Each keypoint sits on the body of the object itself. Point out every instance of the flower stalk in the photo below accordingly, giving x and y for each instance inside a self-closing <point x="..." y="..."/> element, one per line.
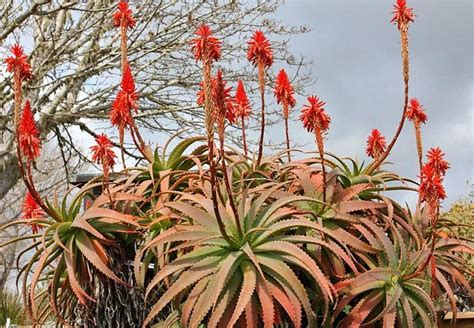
<point x="317" y="121"/>
<point x="402" y="17"/>
<point x="260" y="55"/>
<point x="206" y="48"/>
<point x="285" y="95"/>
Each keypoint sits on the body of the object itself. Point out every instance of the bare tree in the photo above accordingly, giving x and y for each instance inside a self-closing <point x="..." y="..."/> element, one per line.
<point x="74" y="52"/>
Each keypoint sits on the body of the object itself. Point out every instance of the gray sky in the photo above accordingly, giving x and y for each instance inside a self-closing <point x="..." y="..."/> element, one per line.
<point x="357" y="65"/>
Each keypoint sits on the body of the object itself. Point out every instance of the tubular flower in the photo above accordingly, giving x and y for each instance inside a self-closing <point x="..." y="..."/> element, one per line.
<point x="284" y="91"/>
<point x="260" y="51"/>
<point x="416" y="112"/>
<point x="205" y="46"/>
<point x="375" y="144"/>
<point x="313" y="114"/>
<point x="120" y="115"/>
<point x="437" y="162"/>
<point x="241" y="102"/>
<point x="123" y="15"/>
<point x="32" y="211"/>
<point x="402" y="14"/>
<point x="18" y="63"/>
<point x="222" y="99"/>
<point x="102" y="153"/>
<point x="28" y="134"/>
<point x="431" y="186"/>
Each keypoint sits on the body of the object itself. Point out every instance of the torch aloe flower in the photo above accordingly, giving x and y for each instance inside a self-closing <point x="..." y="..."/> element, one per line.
<point x="431" y="187"/>
<point x="206" y="46"/>
<point x="260" y="51"/>
<point x="285" y="95"/>
<point x="375" y="144"/>
<point x="417" y="115"/>
<point x="103" y="154"/>
<point x="317" y="121"/>
<point x="260" y="55"/>
<point x="32" y="211"/>
<point x="126" y="100"/>
<point x="402" y="15"/>
<point x="437" y="162"/>
<point x="28" y="134"/>
<point x="21" y="69"/>
<point x="242" y="109"/>
<point x="17" y="63"/>
<point x="123" y="18"/>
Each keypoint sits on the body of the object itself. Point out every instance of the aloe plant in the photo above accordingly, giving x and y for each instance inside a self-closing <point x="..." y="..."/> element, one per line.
<point x="219" y="237"/>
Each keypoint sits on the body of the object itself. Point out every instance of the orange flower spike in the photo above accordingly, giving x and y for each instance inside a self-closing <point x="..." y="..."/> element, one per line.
<point x="126" y="100"/>
<point x="313" y="114"/>
<point x="28" y="134"/>
<point x="242" y="110"/>
<point x="437" y="162"/>
<point x="102" y="153"/>
<point x="18" y="63"/>
<point x="402" y="14"/>
<point x="206" y="46"/>
<point x="123" y="15"/>
<point x="260" y="51"/>
<point x="375" y="144"/>
<point x="284" y="92"/>
<point x="32" y="211"/>
<point x="415" y="111"/>
<point x="242" y="103"/>
<point x="223" y="101"/>
<point x="316" y="120"/>
<point x="431" y="187"/>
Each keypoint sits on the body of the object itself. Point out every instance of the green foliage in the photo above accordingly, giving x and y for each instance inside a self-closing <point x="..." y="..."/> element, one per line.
<point x="12" y="308"/>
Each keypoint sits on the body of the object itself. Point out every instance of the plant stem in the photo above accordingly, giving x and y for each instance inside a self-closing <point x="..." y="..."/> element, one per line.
<point x="209" y="117"/>
<point x="261" y="80"/>
<point x="244" y="140"/>
<point x="406" y="76"/>
<point x="230" y="193"/>
<point x="287" y="133"/>
<point x="320" y="143"/>
<point x="419" y="149"/>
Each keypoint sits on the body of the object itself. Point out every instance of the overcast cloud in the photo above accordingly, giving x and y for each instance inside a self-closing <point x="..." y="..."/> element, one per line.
<point x="358" y="70"/>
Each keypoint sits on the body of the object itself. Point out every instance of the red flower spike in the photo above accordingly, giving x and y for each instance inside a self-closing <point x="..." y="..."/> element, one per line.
<point x="313" y="114"/>
<point x="415" y="111"/>
<point x="402" y="14"/>
<point x="28" y="134"/>
<point x="205" y="46"/>
<point x="32" y="211"/>
<point x="223" y="101"/>
<point x="437" y="162"/>
<point x="18" y="62"/>
<point x="126" y="99"/>
<point x="102" y="153"/>
<point x="431" y="186"/>
<point x="123" y="15"/>
<point x="128" y="87"/>
<point x="242" y="105"/>
<point x="375" y="144"/>
<point x="221" y="98"/>
<point x="283" y="90"/>
<point x="260" y="51"/>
